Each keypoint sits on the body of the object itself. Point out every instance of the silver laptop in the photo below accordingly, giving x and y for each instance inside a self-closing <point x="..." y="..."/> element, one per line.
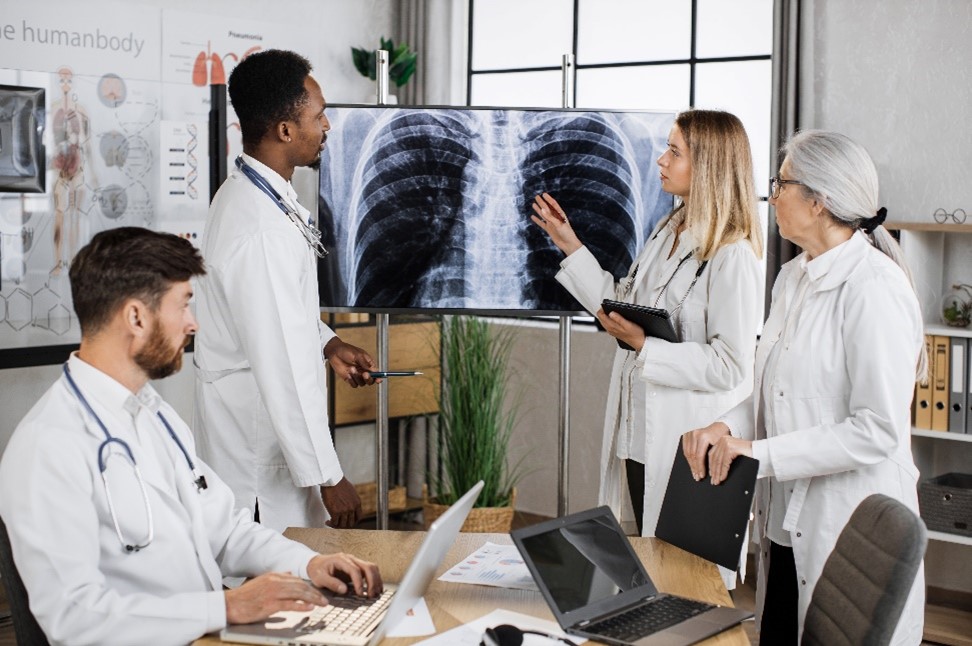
<point x="597" y="588"/>
<point x="356" y="621"/>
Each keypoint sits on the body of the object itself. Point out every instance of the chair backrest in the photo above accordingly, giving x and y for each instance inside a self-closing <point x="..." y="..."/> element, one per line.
<point x="867" y="577"/>
<point x="26" y="629"/>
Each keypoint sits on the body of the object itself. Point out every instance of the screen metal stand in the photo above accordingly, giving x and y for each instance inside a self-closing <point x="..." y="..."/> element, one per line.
<point x="217" y="137"/>
<point x="563" y="444"/>
<point x="381" y="421"/>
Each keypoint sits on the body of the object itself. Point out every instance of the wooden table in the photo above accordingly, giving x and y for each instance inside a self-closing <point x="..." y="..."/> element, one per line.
<point x="452" y="604"/>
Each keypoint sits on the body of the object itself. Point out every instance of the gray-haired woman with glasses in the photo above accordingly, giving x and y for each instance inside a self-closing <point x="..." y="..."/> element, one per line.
<point x="836" y="365"/>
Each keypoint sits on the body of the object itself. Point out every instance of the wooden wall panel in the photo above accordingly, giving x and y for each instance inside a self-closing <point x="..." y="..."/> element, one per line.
<point x="411" y="346"/>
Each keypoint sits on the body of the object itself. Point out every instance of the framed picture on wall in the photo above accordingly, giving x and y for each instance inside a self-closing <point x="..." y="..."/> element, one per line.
<point x="100" y="133"/>
<point x="22" y="153"/>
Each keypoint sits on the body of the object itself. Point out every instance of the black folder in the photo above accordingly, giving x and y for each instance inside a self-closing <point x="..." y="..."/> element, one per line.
<point x="706" y="520"/>
<point x="654" y="321"/>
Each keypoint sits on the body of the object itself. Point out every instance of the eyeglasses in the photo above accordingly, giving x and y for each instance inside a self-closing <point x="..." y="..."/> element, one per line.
<point x="941" y="216"/>
<point x="776" y="185"/>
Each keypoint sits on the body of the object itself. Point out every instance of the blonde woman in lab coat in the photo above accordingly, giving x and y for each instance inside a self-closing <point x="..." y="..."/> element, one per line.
<point x="835" y="372"/>
<point x="702" y="265"/>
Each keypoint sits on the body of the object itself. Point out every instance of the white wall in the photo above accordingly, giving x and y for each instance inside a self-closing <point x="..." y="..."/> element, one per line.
<point x="895" y="76"/>
<point x="337" y="25"/>
<point x="534" y="378"/>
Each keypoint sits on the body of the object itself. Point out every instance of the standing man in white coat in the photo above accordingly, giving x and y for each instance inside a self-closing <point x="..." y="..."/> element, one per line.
<point x="261" y="404"/>
<point x="121" y="534"/>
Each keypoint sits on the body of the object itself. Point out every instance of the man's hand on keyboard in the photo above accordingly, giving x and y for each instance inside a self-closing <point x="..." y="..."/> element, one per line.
<point x="266" y="594"/>
<point x="335" y="571"/>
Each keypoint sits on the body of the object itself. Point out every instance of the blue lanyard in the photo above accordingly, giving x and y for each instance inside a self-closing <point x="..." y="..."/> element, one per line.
<point x="200" y="480"/>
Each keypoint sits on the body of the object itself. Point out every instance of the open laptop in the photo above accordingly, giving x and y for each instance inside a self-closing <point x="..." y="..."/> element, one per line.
<point x="356" y="621"/>
<point x="597" y="587"/>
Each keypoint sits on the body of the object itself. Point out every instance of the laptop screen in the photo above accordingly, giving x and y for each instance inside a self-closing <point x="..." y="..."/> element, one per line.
<point x="584" y="562"/>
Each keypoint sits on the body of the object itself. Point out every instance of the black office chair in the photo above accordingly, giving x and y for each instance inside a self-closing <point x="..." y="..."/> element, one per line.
<point x="867" y="577"/>
<point x="26" y="629"/>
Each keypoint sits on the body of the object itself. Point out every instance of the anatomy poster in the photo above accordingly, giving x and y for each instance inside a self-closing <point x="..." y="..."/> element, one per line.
<point x="199" y="50"/>
<point x="428" y="208"/>
<point x="125" y="128"/>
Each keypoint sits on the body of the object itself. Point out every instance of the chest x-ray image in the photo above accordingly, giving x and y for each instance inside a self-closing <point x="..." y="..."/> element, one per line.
<point x="428" y="208"/>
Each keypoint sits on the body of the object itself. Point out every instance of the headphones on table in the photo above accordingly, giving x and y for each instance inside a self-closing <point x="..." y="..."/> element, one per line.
<point x="509" y="635"/>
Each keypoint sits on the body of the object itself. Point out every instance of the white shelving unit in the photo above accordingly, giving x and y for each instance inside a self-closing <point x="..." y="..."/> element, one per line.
<point x="941" y="435"/>
<point x="939" y="255"/>
<point x="949" y="538"/>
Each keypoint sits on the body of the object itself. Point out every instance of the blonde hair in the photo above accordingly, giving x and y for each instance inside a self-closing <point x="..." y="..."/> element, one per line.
<point x="721" y="207"/>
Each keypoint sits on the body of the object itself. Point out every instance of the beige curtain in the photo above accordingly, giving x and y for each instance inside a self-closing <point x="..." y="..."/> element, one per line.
<point x="438" y="31"/>
<point x="787" y="117"/>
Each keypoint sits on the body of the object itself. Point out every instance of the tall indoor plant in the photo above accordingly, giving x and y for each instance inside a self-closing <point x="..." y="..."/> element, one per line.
<point x="475" y="420"/>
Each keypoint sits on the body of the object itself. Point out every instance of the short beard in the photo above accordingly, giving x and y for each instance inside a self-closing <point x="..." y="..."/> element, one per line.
<point x="316" y="164"/>
<point x="157" y="359"/>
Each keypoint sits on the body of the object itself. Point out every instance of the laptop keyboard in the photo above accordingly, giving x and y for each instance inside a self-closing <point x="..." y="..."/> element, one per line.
<point x="349" y="615"/>
<point x="648" y="618"/>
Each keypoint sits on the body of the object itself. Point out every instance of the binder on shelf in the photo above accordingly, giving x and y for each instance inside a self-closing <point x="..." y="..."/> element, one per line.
<point x="923" y="399"/>
<point x="940" y="384"/>
<point x="968" y="388"/>
<point x="958" y="406"/>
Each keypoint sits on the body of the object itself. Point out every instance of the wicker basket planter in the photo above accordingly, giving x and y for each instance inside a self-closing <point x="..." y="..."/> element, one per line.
<point x="946" y="503"/>
<point x="483" y="520"/>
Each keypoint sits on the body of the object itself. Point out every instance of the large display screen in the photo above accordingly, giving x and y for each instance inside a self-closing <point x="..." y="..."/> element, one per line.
<point x="428" y="208"/>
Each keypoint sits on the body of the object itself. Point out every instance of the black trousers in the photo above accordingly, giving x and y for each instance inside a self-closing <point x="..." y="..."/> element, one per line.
<point x="636" y="489"/>
<point x="779" y="623"/>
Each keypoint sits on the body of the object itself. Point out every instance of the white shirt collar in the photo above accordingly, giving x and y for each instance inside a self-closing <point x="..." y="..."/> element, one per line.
<point x="274" y="178"/>
<point x="97" y="386"/>
<point x="820" y="266"/>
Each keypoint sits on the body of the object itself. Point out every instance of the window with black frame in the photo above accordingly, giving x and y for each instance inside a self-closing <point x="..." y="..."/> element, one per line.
<point x="630" y="54"/>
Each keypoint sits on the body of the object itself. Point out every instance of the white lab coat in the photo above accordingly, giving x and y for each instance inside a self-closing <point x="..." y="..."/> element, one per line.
<point x="261" y="387"/>
<point x="683" y="385"/>
<point x="83" y="587"/>
<point x="842" y="392"/>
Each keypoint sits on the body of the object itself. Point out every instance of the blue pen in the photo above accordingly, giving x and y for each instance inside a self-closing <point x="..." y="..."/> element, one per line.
<point x="377" y="374"/>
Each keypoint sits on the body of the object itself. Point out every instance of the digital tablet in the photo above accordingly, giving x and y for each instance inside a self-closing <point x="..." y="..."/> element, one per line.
<point x="654" y="321"/>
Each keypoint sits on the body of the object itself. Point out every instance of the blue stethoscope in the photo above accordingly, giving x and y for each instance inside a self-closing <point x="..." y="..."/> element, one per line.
<point x="312" y="235"/>
<point x="105" y="447"/>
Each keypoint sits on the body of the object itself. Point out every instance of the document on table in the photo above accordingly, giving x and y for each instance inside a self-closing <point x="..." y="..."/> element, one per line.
<point x="472" y="633"/>
<point x="497" y="565"/>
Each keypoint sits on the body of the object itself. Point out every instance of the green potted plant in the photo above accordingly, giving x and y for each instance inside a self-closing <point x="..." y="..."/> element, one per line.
<point x="475" y="424"/>
<point x="957" y="306"/>
<point x="401" y="61"/>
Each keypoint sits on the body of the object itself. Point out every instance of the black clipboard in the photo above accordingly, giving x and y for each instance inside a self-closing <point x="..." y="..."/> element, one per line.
<point x="654" y="321"/>
<point x="706" y="520"/>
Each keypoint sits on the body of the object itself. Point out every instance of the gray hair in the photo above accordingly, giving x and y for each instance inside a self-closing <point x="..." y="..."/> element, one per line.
<point x="839" y="172"/>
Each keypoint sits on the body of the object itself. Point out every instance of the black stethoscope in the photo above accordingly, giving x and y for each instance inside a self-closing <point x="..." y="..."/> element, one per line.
<point x="682" y="261"/>
<point x="311" y="234"/>
<point x="106" y="445"/>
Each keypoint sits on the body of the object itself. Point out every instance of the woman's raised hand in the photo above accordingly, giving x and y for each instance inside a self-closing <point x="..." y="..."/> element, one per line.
<point x="552" y="219"/>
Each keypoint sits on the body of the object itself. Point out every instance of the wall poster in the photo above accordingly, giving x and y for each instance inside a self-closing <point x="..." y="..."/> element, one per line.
<point x="125" y="133"/>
